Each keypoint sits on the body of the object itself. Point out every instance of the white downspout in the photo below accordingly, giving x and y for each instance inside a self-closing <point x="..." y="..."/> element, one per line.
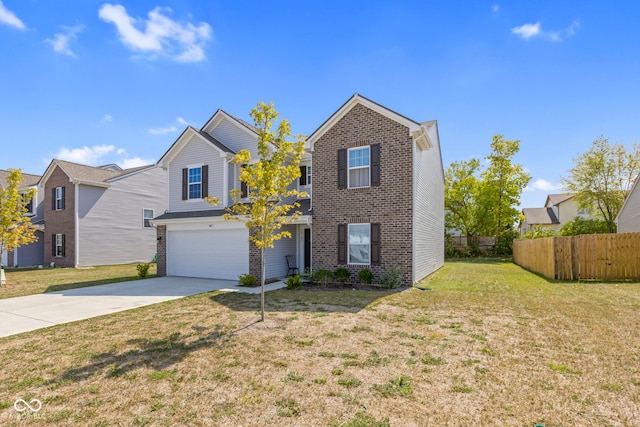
<point x="76" y="225"/>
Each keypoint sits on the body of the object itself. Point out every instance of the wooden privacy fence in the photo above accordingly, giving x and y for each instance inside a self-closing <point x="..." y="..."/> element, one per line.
<point x="586" y="257"/>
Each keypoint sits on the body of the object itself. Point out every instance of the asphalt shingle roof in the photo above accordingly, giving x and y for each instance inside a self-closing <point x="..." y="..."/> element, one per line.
<point x="28" y="179"/>
<point x="540" y="216"/>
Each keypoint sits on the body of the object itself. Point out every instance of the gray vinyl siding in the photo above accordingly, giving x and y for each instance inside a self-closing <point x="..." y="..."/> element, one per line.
<point x="276" y="265"/>
<point x="110" y="222"/>
<point x="236" y="137"/>
<point x="31" y="254"/>
<point x="629" y="216"/>
<point x="196" y="152"/>
<point x="428" y="226"/>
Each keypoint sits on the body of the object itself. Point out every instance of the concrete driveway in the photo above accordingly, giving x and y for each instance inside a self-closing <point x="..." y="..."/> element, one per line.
<point x="32" y="312"/>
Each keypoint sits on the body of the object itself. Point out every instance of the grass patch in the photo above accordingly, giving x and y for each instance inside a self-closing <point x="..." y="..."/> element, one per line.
<point x="428" y="359"/>
<point x="400" y="386"/>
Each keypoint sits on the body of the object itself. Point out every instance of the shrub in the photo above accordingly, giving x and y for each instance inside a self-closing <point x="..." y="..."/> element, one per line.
<point x="391" y="277"/>
<point x="293" y="282"/>
<point x="538" y="232"/>
<point x="366" y="276"/>
<point x="341" y="274"/>
<point x="579" y="226"/>
<point x="143" y="269"/>
<point x="322" y="276"/>
<point x="450" y="250"/>
<point x="504" y="242"/>
<point x="247" y="280"/>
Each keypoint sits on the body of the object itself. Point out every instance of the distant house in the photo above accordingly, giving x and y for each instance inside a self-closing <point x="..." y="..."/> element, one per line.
<point x="33" y="253"/>
<point x="100" y="215"/>
<point x="376" y="187"/>
<point x="628" y="219"/>
<point x="558" y="210"/>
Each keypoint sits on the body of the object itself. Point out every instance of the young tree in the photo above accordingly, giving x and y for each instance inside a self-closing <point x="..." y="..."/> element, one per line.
<point x="501" y="187"/>
<point x="269" y="182"/>
<point x="601" y="178"/>
<point x="15" y="226"/>
<point x="461" y="191"/>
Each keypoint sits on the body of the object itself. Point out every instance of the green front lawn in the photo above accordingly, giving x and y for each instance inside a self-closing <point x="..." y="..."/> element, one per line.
<point x="490" y="344"/>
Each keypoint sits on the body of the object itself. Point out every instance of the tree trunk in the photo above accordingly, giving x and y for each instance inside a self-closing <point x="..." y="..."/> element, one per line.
<point x="262" y="281"/>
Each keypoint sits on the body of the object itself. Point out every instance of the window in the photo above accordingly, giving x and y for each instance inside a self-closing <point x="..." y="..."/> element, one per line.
<point x="58" y="245"/>
<point x="305" y="175"/>
<point x="147" y="216"/>
<point x="195" y="182"/>
<point x="29" y="205"/>
<point x="359" y="243"/>
<point x="358" y="167"/>
<point x="57" y="198"/>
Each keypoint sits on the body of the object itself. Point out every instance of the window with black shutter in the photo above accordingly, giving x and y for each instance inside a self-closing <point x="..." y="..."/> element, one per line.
<point x="342" y="168"/>
<point x="342" y="243"/>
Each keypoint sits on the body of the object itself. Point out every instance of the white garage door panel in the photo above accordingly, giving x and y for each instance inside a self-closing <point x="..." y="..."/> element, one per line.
<point x="220" y="254"/>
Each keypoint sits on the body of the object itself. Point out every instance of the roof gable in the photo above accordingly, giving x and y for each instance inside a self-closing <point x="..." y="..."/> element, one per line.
<point x="184" y="138"/>
<point x="419" y="131"/>
<point x="624" y="204"/>
<point x="556" y="199"/>
<point x="535" y="216"/>
<point x="221" y="115"/>
<point x="89" y="175"/>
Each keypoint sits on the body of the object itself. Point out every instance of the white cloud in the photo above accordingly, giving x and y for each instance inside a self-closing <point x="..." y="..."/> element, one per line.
<point x="9" y="18"/>
<point x="162" y="131"/>
<point x="182" y="42"/>
<point x="101" y="155"/>
<point x="541" y="185"/>
<point x="182" y="121"/>
<point x="527" y="31"/>
<point x="85" y="155"/>
<point x="61" y="41"/>
<point x="495" y="8"/>
<point x="107" y="118"/>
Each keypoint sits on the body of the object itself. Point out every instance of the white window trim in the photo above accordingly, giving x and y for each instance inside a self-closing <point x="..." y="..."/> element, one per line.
<point x="59" y="198"/>
<point x="361" y="244"/>
<point x="60" y="247"/>
<point x="144" y="218"/>
<point x="349" y="168"/>
<point x="189" y="168"/>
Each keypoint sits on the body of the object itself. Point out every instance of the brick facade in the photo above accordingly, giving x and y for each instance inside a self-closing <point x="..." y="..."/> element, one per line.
<point x="389" y="204"/>
<point x="161" y="236"/>
<point x="60" y="221"/>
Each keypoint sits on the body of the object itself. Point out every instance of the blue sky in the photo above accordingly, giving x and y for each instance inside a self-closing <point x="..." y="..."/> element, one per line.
<point x="98" y="82"/>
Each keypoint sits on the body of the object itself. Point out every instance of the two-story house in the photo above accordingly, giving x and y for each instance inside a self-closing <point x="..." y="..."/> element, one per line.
<point x="100" y="215"/>
<point x="376" y="187"/>
<point x="32" y="253"/>
<point x="628" y="219"/>
<point x="558" y="210"/>
<point x="193" y="238"/>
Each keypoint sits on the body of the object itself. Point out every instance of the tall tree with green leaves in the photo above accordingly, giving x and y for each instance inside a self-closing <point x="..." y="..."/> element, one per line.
<point x="502" y="183"/>
<point x="15" y="226"/>
<point x="601" y="178"/>
<point x="269" y="180"/>
<point x="461" y="191"/>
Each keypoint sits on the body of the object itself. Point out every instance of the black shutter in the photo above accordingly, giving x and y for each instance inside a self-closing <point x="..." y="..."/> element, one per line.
<point x="63" y="246"/>
<point x="303" y="175"/>
<point x="53" y="245"/>
<point x="342" y="168"/>
<point x="185" y="184"/>
<point x="243" y="187"/>
<point x="62" y="201"/>
<point x="342" y="243"/>
<point x="375" y="165"/>
<point x="375" y="244"/>
<point x="205" y="181"/>
<point x="53" y="199"/>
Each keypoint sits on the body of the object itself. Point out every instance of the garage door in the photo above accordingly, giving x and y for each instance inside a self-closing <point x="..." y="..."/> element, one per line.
<point x="219" y="254"/>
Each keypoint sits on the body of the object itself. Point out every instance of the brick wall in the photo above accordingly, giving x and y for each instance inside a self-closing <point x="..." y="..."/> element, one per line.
<point x="59" y="222"/>
<point x="389" y="204"/>
<point x="161" y="236"/>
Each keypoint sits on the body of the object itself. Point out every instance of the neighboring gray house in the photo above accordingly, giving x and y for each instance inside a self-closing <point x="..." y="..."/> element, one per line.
<point x="193" y="238"/>
<point x="628" y="219"/>
<point x="101" y="215"/>
<point x="32" y="253"/>
<point x="377" y="186"/>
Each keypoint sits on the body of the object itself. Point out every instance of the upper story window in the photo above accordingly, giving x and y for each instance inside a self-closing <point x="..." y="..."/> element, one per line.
<point x="305" y="175"/>
<point x="29" y="206"/>
<point x="57" y="198"/>
<point x="195" y="182"/>
<point x="147" y="216"/>
<point x="359" y="167"/>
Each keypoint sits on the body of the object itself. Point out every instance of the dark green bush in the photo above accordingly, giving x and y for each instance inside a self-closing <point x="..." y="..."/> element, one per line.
<point x="293" y="282"/>
<point x="365" y="276"/>
<point x="247" y="280"/>
<point x="341" y="274"/>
